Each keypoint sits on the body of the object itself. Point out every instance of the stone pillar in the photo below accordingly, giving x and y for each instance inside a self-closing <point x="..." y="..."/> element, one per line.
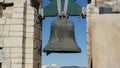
<point x="104" y="40"/>
<point x="91" y="9"/>
<point x="32" y="38"/>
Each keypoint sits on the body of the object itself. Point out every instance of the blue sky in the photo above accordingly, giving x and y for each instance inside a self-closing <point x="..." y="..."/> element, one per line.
<point x="78" y="59"/>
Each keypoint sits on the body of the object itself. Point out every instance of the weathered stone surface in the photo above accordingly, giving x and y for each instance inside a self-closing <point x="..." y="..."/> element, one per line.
<point x="2" y="21"/>
<point x="29" y="34"/>
<point x="1" y="0"/>
<point x="16" y="61"/>
<point x="29" y="56"/>
<point x="30" y="12"/>
<point x="20" y="5"/>
<point x="6" y="53"/>
<point x="6" y="27"/>
<point x="29" y="42"/>
<point x="29" y="65"/>
<point x="6" y="33"/>
<point x="30" y="17"/>
<point x="16" y="28"/>
<point x="14" y="65"/>
<point x="18" y="9"/>
<point x="29" y="28"/>
<point x="30" y="61"/>
<point x="17" y="34"/>
<point x="29" y="50"/>
<point x="16" y="50"/>
<point x="17" y="15"/>
<point x="14" y="21"/>
<point x="30" y="22"/>
<point x="17" y="31"/>
<point x="15" y="1"/>
<point x="105" y="40"/>
<point x="6" y="64"/>
<point x="116" y="7"/>
<point x="1" y="35"/>
<point x="13" y="41"/>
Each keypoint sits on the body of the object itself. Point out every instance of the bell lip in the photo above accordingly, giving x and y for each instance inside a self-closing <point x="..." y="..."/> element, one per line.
<point x="63" y="51"/>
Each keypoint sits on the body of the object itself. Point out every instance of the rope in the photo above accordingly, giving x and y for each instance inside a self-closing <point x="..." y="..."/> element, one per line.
<point x="59" y="7"/>
<point x="65" y="7"/>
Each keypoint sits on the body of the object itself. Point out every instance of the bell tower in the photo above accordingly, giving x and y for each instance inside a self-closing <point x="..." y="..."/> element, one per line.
<point x="20" y="35"/>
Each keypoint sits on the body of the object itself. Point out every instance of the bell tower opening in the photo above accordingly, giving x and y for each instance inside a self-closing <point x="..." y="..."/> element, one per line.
<point x="65" y="59"/>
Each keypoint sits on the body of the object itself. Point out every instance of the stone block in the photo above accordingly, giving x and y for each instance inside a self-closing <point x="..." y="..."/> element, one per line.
<point x="30" y="22"/>
<point x="18" y="15"/>
<point x="16" y="50"/>
<point x="13" y="41"/>
<point x="1" y="44"/>
<point x="15" y="1"/>
<point x="16" y="55"/>
<point x="8" y="12"/>
<point x="14" y="21"/>
<point x="30" y="17"/>
<point x="29" y="61"/>
<point x="18" y="9"/>
<point x="20" y="5"/>
<point x="16" y="28"/>
<point x="16" y="61"/>
<point x="6" y="52"/>
<point x="29" y="56"/>
<point x="30" y="11"/>
<point x="5" y="33"/>
<point x="2" y="21"/>
<point x="6" y="27"/>
<point x="29" y="42"/>
<point x="29" y="65"/>
<point x="14" y="65"/>
<point x="28" y="50"/>
<point x="29" y="28"/>
<point x="18" y="34"/>
<point x="6" y="64"/>
<point x="29" y="34"/>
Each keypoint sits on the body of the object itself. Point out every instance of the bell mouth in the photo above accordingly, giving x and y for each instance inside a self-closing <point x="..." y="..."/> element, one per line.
<point x="49" y="52"/>
<point x="63" y="51"/>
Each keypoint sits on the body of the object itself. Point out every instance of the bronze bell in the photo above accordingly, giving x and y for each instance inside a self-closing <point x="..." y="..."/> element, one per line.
<point x="62" y="39"/>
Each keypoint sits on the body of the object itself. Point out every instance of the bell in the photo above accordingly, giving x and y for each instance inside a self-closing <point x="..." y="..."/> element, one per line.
<point x="62" y="39"/>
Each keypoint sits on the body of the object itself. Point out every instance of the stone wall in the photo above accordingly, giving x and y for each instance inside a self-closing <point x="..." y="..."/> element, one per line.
<point x="20" y="36"/>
